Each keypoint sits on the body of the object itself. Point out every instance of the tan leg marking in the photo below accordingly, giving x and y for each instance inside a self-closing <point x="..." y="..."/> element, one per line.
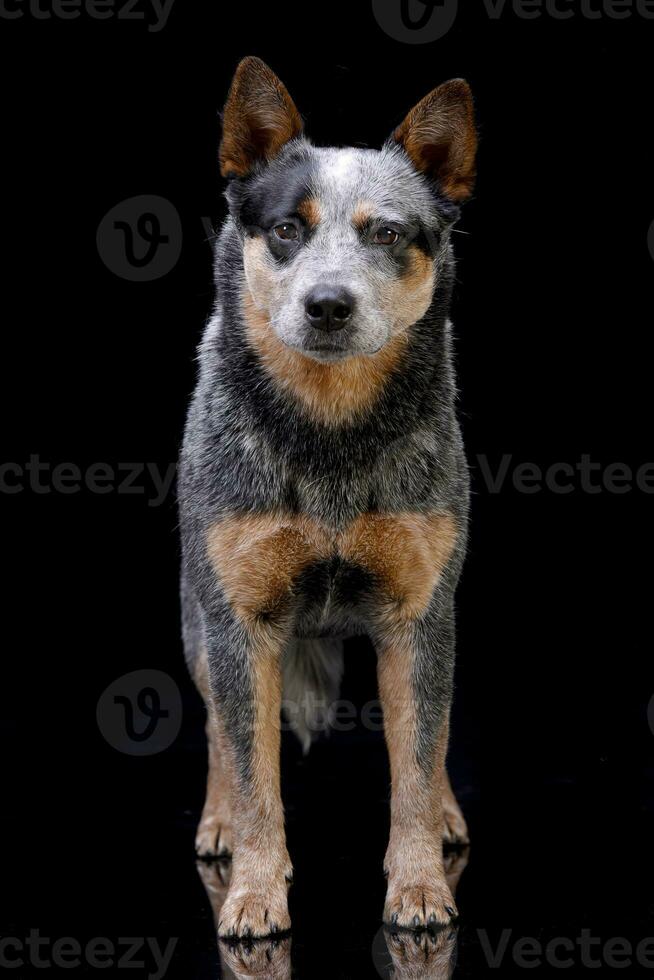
<point x="257" y="904"/>
<point x="409" y="556"/>
<point x="257" y="559"/>
<point x="332" y="393"/>
<point x="418" y="894"/>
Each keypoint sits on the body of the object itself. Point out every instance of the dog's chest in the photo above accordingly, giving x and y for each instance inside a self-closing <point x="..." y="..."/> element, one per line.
<point x="269" y="563"/>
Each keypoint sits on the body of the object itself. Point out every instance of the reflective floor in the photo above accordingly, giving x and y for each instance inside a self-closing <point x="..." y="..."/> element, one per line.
<point x="397" y="954"/>
<point x="558" y="875"/>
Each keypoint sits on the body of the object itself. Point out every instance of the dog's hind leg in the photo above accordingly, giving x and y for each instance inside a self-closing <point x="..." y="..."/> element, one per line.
<point x="455" y="828"/>
<point x="214" y="835"/>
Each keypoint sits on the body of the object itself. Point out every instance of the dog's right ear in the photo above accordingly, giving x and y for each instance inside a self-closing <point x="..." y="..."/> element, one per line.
<point x="259" y="118"/>
<point x="440" y="137"/>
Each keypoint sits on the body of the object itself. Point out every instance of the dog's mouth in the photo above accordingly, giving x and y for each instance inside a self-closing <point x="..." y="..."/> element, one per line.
<point x="327" y="352"/>
<point x="327" y="347"/>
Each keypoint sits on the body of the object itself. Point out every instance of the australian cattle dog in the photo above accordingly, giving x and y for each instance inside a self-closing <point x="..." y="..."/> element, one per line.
<point x="323" y="484"/>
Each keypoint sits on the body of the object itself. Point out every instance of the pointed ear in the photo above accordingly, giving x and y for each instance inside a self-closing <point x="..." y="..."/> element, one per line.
<point x="259" y="118"/>
<point x="440" y="137"/>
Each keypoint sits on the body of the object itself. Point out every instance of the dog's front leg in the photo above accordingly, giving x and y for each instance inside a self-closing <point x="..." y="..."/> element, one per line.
<point x="257" y="560"/>
<point x="415" y="680"/>
<point x="245" y="673"/>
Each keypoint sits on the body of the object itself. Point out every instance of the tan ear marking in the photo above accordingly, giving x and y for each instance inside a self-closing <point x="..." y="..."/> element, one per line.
<point x="259" y="118"/>
<point x="440" y="137"/>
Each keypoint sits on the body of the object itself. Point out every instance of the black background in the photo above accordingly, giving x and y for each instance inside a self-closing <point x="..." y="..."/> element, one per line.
<point x="552" y="752"/>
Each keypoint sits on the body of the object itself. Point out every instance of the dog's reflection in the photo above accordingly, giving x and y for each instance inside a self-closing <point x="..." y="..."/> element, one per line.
<point x="400" y="955"/>
<point x="264" y="959"/>
<point x="420" y="955"/>
<point x="426" y="954"/>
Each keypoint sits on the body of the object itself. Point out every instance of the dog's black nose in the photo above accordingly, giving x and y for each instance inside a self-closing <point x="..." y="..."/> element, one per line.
<point x="329" y="308"/>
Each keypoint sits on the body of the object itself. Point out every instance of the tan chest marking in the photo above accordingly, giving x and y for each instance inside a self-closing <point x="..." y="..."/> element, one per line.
<point x="258" y="558"/>
<point x="406" y="553"/>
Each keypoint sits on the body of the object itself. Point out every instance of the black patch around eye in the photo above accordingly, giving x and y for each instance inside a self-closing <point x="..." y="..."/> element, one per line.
<point x="275" y="193"/>
<point x="283" y="249"/>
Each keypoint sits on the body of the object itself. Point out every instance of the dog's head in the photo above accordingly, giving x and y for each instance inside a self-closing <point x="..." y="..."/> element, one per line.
<point x="342" y="247"/>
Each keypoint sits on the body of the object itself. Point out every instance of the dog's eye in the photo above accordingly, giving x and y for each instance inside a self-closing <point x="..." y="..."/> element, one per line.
<point x="386" y="236"/>
<point x="287" y="232"/>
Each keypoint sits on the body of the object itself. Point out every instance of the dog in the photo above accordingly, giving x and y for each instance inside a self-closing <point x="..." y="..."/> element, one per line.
<point x="323" y="486"/>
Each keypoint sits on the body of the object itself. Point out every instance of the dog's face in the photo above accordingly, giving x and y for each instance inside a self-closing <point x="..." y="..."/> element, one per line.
<point x="342" y="246"/>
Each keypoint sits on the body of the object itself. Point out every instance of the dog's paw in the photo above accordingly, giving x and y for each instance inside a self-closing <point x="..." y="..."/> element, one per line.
<point x="214" y="838"/>
<point x="428" y="905"/>
<point x="249" y="914"/>
<point x="268" y="959"/>
<point x="455" y="828"/>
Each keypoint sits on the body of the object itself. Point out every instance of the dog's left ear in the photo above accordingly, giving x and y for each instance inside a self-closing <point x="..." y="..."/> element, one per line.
<point x="259" y="118"/>
<point x="440" y="137"/>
